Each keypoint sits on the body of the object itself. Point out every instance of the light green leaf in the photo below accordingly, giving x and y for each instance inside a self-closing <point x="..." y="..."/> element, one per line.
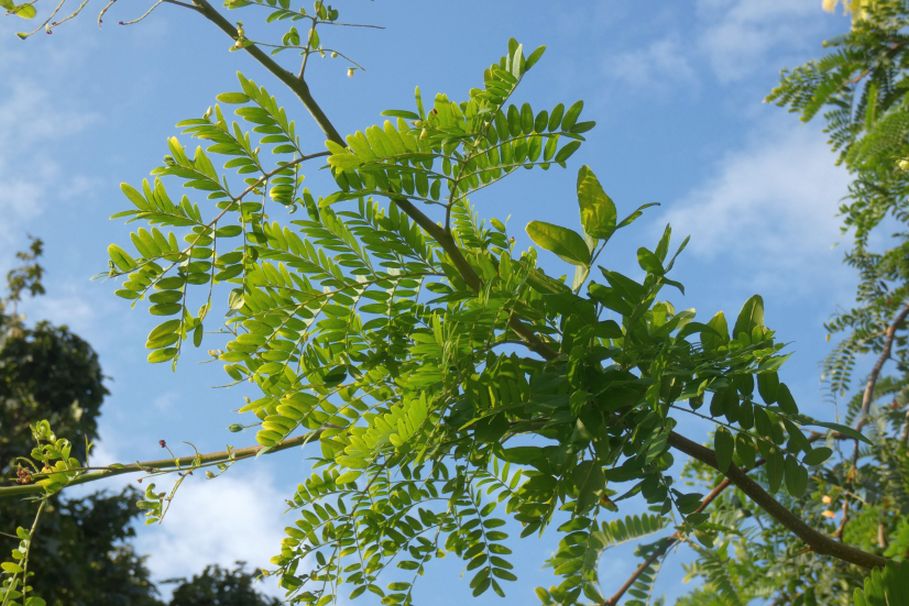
<point x="26" y="11"/>
<point x="598" y="213"/>
<point x="232" y="98"/>
<point x="566" y="243"/>
<point x="718" y="333"/>
<point x="751" y="315"/>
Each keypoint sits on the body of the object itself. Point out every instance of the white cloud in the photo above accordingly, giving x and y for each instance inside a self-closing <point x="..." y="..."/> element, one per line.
<point x="737" y="35"/>
<point x="37" y="114"/>
<point x="237" y="516"/>
<point x="659" y="65"/>
<point x="769" y="210"/>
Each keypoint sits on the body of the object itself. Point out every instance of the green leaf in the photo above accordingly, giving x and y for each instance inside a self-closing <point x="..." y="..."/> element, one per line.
<point x="571" y="115"/>
<point x="232" y="98"/>
<point x="598" y="213"/>
<point x="26" y="11"/>
<point x="886" y="586"/>
<point x="649" y="262"/>
<point x="120" y="258"/>
<point x="717" y="333"/>
<point x="633" y="216"/>
<point x="769" y="387"/>
<point x="401" y="113"/>
<point x="162" y="355"/>
<point x="843" y="429"/>
<point x="347" y="477"/>
<point x="563" y="154"/>
<point x="817" y="455"/>
<point x="566" y="243"/>
<point x="724" y="444"/>
<point x="785" y="400"/>
<point x="774" y="467"/>
<point x="589" y="481"/>
<point x="751" y="316"/>
<point x="796" y="477"/>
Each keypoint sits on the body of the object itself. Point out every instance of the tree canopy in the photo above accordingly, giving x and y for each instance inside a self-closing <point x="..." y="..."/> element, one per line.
<point x="454" y="393"/>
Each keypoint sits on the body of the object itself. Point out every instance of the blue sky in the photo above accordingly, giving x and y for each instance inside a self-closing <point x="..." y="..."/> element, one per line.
<point x="676" y="89"/>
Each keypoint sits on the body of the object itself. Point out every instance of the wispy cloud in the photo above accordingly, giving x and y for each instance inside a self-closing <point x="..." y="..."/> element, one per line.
<point x="729" y="40"/>
<point x="659" y="66"/>
<point x="736" y="36"/>
<point x="36" y="116"/>
<point x="769" y="207"/>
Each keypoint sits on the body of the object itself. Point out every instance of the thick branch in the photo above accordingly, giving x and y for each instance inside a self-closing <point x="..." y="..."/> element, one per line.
<point x="165" y="465"/>
<point x="817" y="541"/>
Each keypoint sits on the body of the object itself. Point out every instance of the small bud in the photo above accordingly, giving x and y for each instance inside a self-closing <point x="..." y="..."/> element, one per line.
<point x="334" y="54"/>
<point x="162" y="443"/>
<point x="828" y="514"/>
<point x="350" y="72"/>
<point x="826" y="500"/>
<point x="235" y="427"/>
<point x="903" y="165"/>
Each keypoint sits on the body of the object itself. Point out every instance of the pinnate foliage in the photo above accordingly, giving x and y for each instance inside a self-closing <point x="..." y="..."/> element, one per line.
<point x="357" y="322"/>
<point x="451" y="384"/>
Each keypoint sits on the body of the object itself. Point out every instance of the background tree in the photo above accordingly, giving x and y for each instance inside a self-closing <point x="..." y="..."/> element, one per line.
<point x="859" y="89"/>
<point x="84" y="552"/>
<point x="450" y="382"/>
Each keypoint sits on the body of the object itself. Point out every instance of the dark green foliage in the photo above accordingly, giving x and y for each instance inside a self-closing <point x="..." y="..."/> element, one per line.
<point x="83" y="553"/>
<point x="217" y="586"/>
<point x="885" y="587"/>
<point x="47" y="372"/>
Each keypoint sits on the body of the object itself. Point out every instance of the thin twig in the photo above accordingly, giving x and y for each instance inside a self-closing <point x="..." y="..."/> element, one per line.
<point x="864" y="414"/>
<point x="889" y="336"/>
<point x="142" y="17"/>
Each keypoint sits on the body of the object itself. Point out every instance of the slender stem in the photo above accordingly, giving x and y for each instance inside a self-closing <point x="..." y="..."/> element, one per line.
<point x="867" y="398"/>
<point x="165" y="465"/>
<point x="297" y="85"/>
<point x="889" y="336"/>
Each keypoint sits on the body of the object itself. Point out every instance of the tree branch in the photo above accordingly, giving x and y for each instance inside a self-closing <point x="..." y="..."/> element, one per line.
<point x="817" y="541"/>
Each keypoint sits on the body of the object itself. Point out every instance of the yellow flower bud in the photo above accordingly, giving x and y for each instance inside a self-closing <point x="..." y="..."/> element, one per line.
<point x="826" y="500"/>
<point x="903" y="165"/>
<point x="828" y="514"/>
